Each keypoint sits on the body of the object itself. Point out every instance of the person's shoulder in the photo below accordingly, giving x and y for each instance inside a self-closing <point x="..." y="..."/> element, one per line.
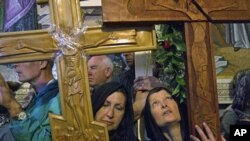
<point x="228" y="111"/>
<point x="229" y="116"/>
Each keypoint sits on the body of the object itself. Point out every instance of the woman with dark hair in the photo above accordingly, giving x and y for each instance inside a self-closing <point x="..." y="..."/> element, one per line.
<point x="164" y="116"/>
<point x="112" y="105"/>
<point x="239" y="111"/>
<point x="166" y="119"/>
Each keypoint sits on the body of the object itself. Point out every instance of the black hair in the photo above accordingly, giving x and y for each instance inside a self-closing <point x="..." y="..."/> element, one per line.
<point x="241" y="89"/>
<point x="125" y="130"/>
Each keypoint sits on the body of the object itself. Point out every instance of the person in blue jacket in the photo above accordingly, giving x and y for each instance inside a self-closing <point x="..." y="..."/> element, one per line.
<point x="31" y="123"/>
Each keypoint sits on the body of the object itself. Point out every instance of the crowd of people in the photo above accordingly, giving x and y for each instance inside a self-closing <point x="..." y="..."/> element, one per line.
<point x="117" y="101"/>
<point x="114" y="103"/>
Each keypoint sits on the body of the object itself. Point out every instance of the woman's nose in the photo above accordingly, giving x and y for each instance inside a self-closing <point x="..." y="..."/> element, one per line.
<point x="110" y="113"/>
<point x="163" y="105"/>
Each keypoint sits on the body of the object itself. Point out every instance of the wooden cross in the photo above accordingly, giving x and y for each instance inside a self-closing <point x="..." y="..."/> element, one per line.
<point x="76" y="122"/>
<point x="197" y="16"/>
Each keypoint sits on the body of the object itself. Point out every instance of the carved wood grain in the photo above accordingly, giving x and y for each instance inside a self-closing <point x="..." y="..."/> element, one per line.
<point x="174" y="10"/>
<point x="76" y="122"/>
<point x="26" y="46"/>
<point x="203" y="102"/>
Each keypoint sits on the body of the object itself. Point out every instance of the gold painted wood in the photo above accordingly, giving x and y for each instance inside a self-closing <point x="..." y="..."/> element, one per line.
<point x="197" y="16"/>
<point x="14" y="46"/>
<point x="76" y="122"/>
<point x="66" y="14"/>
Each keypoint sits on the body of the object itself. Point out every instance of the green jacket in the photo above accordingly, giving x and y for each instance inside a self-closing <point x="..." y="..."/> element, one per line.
<point x="36" y="127"/>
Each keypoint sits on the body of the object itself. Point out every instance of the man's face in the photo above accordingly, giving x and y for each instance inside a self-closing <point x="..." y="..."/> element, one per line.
<point x="129" y="58"/>
<point x="97" y="72"/>
<point x="28" y="71"/>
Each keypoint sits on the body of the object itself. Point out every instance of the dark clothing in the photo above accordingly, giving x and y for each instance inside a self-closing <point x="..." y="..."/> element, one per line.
<point x="124" y="131"/>
<point x="4" y="116"/>
<point x="5" y="133"/>
<point x="232" y="117"/>
<point x="127" y="78"/>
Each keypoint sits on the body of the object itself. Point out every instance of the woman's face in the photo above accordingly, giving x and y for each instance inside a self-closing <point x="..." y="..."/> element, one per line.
<point x="112" y="111"/>
<point x="164" y="109"/>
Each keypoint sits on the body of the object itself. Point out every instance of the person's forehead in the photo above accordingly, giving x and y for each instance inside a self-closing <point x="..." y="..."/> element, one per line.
<point x="29" y="63"/>
<point x="116" y="96"/>
<point x="157" y="94"/>
<point x="95" y="60"/>
<point x="92" y="65"/>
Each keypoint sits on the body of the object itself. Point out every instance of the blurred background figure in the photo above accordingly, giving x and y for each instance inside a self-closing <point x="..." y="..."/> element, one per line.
<point x="239" y="111"/>
<point x="127" y="76"/>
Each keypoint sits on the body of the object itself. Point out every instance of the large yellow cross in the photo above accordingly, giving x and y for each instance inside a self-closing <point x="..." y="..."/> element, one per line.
<point x="76" y="122"/>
